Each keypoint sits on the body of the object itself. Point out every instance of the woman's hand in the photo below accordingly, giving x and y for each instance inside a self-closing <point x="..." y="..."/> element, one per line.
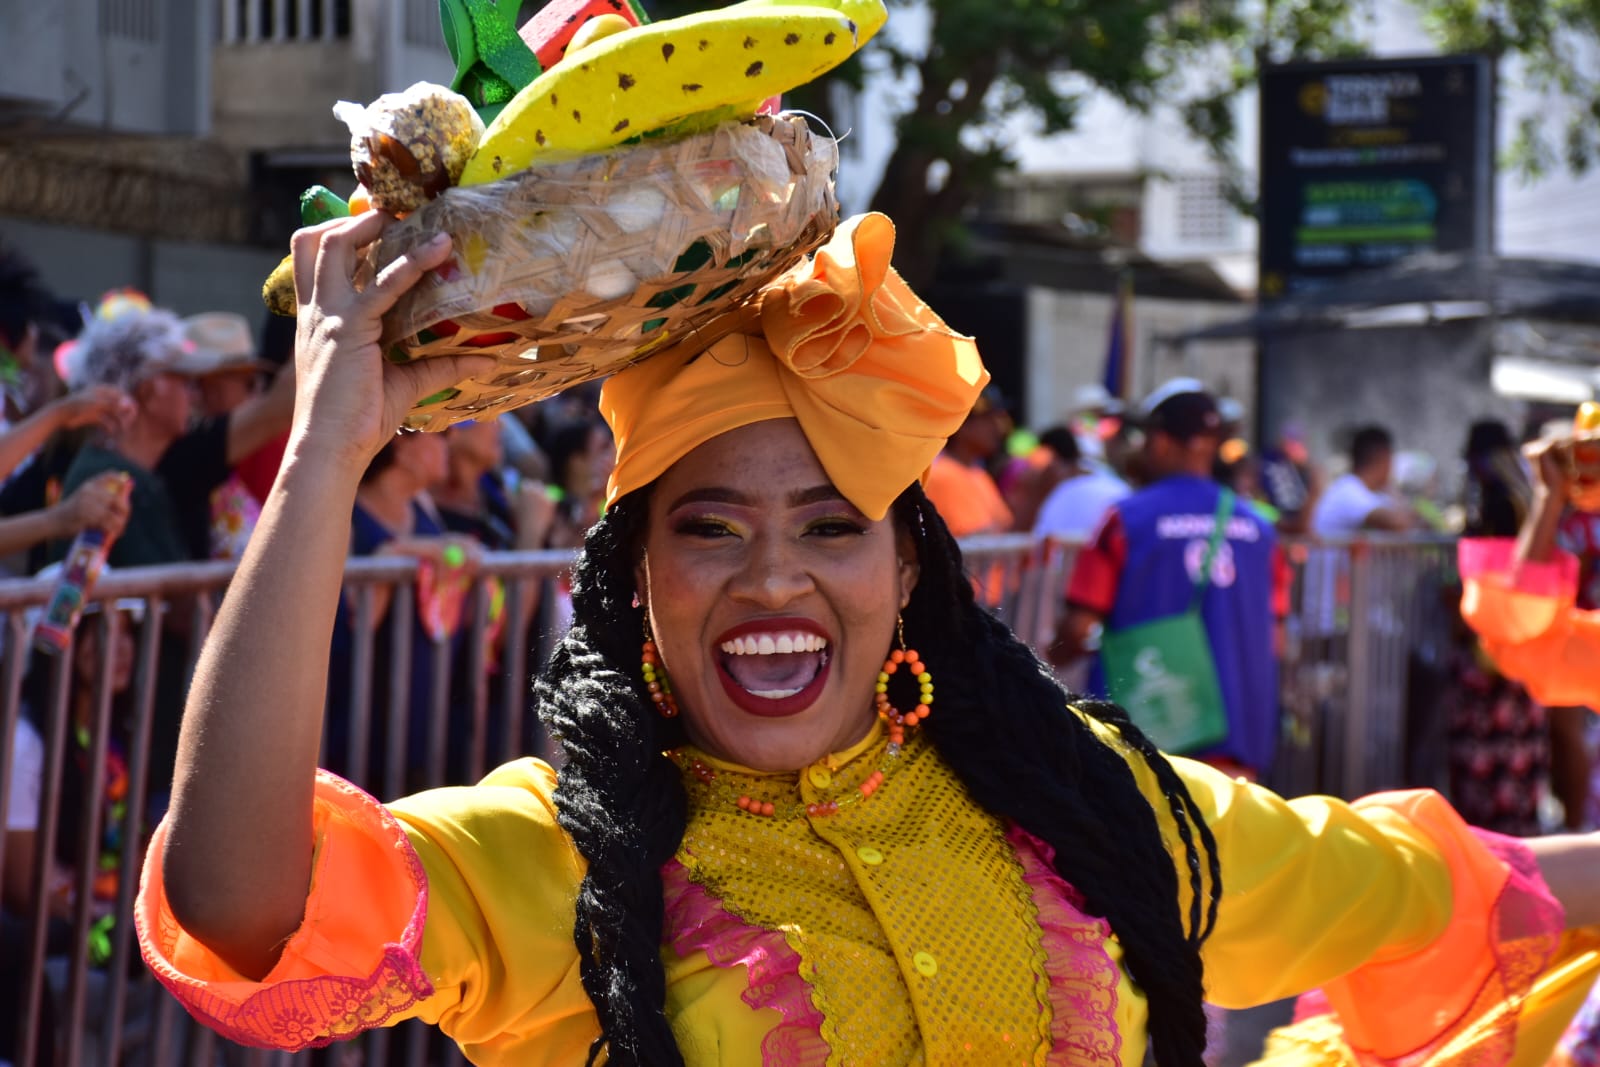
<point x="452" y="550"/>
<point x="1554" y="479"/>
<point x="349" y="399"/>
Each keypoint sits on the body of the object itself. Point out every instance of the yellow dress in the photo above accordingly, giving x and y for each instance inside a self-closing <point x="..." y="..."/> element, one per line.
<point x="908" y="928"/>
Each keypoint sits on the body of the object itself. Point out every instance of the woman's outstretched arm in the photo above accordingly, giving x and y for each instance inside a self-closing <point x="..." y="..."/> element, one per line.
<point x="237" y="862"/>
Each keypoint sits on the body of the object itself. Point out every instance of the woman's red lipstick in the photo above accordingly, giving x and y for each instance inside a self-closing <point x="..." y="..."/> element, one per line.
<point x="774" y="707"/>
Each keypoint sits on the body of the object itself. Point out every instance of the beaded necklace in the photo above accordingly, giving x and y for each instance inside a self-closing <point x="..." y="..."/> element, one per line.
<point x="707" y="775"/>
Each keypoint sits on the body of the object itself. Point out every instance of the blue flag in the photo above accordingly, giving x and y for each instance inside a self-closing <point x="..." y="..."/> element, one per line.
<point x="1119" y="341"/>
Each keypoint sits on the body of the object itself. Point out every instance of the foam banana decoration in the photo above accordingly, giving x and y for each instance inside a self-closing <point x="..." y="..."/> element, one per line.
<point x="649" y="77"/>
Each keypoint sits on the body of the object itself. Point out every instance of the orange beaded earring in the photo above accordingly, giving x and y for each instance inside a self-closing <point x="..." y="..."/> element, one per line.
<point x="908" y="658"/>
<point x="655" y="678"/>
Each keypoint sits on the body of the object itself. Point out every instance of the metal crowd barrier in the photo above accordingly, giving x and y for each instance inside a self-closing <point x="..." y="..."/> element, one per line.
<point x="1366" y="614"/>
<point x="1365" y="660"/>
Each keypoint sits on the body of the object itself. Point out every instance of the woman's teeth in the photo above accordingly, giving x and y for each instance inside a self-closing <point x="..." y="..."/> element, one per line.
<point x="775" y="665"/>
<point x="774" y="644"/>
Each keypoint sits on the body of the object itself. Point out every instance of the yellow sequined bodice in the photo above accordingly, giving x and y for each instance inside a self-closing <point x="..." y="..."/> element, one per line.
<point x="916" y="931"/>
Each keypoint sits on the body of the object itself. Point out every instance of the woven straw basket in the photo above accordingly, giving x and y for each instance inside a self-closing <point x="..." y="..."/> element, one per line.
<point x="568" y="272"/>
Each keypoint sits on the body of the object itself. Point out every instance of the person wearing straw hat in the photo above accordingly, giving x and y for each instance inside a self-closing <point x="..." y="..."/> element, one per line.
<point x="233" y="376"/>
<point x="816" y="804"/>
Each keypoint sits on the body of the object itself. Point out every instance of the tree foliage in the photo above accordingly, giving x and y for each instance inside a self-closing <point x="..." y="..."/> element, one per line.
<point x="988" y="63"/>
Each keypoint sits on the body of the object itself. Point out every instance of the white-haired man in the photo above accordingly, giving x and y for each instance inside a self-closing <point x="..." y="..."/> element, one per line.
<point x="174" y="468"/>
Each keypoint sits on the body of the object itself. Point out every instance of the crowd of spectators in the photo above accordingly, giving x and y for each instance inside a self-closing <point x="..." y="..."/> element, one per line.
<point x="167" y="433"/>
<point x="1137" y="488"/>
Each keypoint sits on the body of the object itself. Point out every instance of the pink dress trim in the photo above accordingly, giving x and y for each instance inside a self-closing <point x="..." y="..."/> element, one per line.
<point x="1083" y="976"/>
<point x="294" y="1013"/>
<point x="697" y="922"/>
<point x="1496" y="557"/>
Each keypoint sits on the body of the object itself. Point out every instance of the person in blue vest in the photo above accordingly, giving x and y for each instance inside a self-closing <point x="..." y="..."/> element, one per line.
<point x="1143" y="563"/>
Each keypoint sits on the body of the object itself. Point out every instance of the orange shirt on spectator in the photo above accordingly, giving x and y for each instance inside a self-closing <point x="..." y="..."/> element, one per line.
<point x="967" y="498"/>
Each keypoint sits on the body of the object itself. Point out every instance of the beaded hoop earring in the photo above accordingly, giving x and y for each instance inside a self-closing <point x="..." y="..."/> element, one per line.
<point x="655" y="678"/>
<point x="908" y="658"/>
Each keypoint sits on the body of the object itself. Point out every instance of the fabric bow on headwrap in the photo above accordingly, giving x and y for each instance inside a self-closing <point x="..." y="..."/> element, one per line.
<point x="840" y="343"/>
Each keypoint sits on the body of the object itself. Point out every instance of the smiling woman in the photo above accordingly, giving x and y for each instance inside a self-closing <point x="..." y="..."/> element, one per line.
<point x="748" y="548"/>
<point x="816" y="805"/>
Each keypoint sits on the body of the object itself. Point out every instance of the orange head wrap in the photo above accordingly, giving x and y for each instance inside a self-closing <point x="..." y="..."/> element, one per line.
<point x="840" y="343"/>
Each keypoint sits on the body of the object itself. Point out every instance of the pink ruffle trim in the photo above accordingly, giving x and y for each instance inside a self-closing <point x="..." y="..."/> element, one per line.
<point x="1083" y="976"/>
<point x="299" y="1013"/>
<point x="696" y="921"/>
<point x="1479" y="557"/>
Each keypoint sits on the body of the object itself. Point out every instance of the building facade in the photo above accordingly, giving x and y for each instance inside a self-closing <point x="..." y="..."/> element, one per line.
<point x="162" y="144"/>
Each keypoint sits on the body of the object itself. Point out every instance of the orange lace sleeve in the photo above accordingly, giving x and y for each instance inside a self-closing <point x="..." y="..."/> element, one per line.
<point x="354" y="962"/>
<point x="1465" y="996"/>
<point x="1528" y="622"/>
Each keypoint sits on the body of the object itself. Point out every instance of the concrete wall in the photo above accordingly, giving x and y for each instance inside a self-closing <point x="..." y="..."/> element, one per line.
<point x="78" y="264"/>
<point x="273" y="94"/>
<point x="128" y="68"/>
<point x="280" y="93"/>
<point x="1067" y="334"/>
<point x="1425" y="384"/>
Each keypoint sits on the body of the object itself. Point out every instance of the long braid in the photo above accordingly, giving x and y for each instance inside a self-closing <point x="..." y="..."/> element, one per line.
<point x="1003" y="726"/>
<point x="618" y="796"/>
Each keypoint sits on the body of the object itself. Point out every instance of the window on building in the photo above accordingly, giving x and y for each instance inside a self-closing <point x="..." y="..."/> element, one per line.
<point x="135" y="20"/>
<point x="286" y="20"/>
<point x="1204" y="214"/>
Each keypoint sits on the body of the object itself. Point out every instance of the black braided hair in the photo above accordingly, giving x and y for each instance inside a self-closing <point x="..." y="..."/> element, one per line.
<point x="1001" y="724"/>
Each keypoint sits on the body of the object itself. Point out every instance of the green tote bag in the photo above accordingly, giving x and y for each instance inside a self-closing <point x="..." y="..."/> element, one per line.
<point x="1162" y="673"/>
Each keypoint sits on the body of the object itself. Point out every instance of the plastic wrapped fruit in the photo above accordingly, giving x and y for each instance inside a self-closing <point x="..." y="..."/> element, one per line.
<point x="409" y="147"/>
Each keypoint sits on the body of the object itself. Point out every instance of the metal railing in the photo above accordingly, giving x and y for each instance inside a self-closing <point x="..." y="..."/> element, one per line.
<point x="1365" y="613"/>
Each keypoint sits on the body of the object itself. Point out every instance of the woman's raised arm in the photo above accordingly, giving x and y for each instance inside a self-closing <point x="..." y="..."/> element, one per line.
<point x="237" y="862"/>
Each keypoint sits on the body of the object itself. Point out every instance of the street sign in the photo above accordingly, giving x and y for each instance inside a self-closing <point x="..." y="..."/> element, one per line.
<point x="1366" y="162"/>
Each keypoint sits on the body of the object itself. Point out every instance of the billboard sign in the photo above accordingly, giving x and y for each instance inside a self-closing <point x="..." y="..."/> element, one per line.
<point x="1366" y="162"/>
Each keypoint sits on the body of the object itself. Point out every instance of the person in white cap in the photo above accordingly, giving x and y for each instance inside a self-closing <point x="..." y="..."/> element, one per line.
<point x="1147" y="560"/>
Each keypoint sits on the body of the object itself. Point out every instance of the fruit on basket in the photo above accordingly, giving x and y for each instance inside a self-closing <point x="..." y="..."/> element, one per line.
<point x="571" y="271"/>
<point x="649" y="77"/>
<point x="631" y="185"/>
<point x="564" y="24"/>
<point x="407" y="148"/>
